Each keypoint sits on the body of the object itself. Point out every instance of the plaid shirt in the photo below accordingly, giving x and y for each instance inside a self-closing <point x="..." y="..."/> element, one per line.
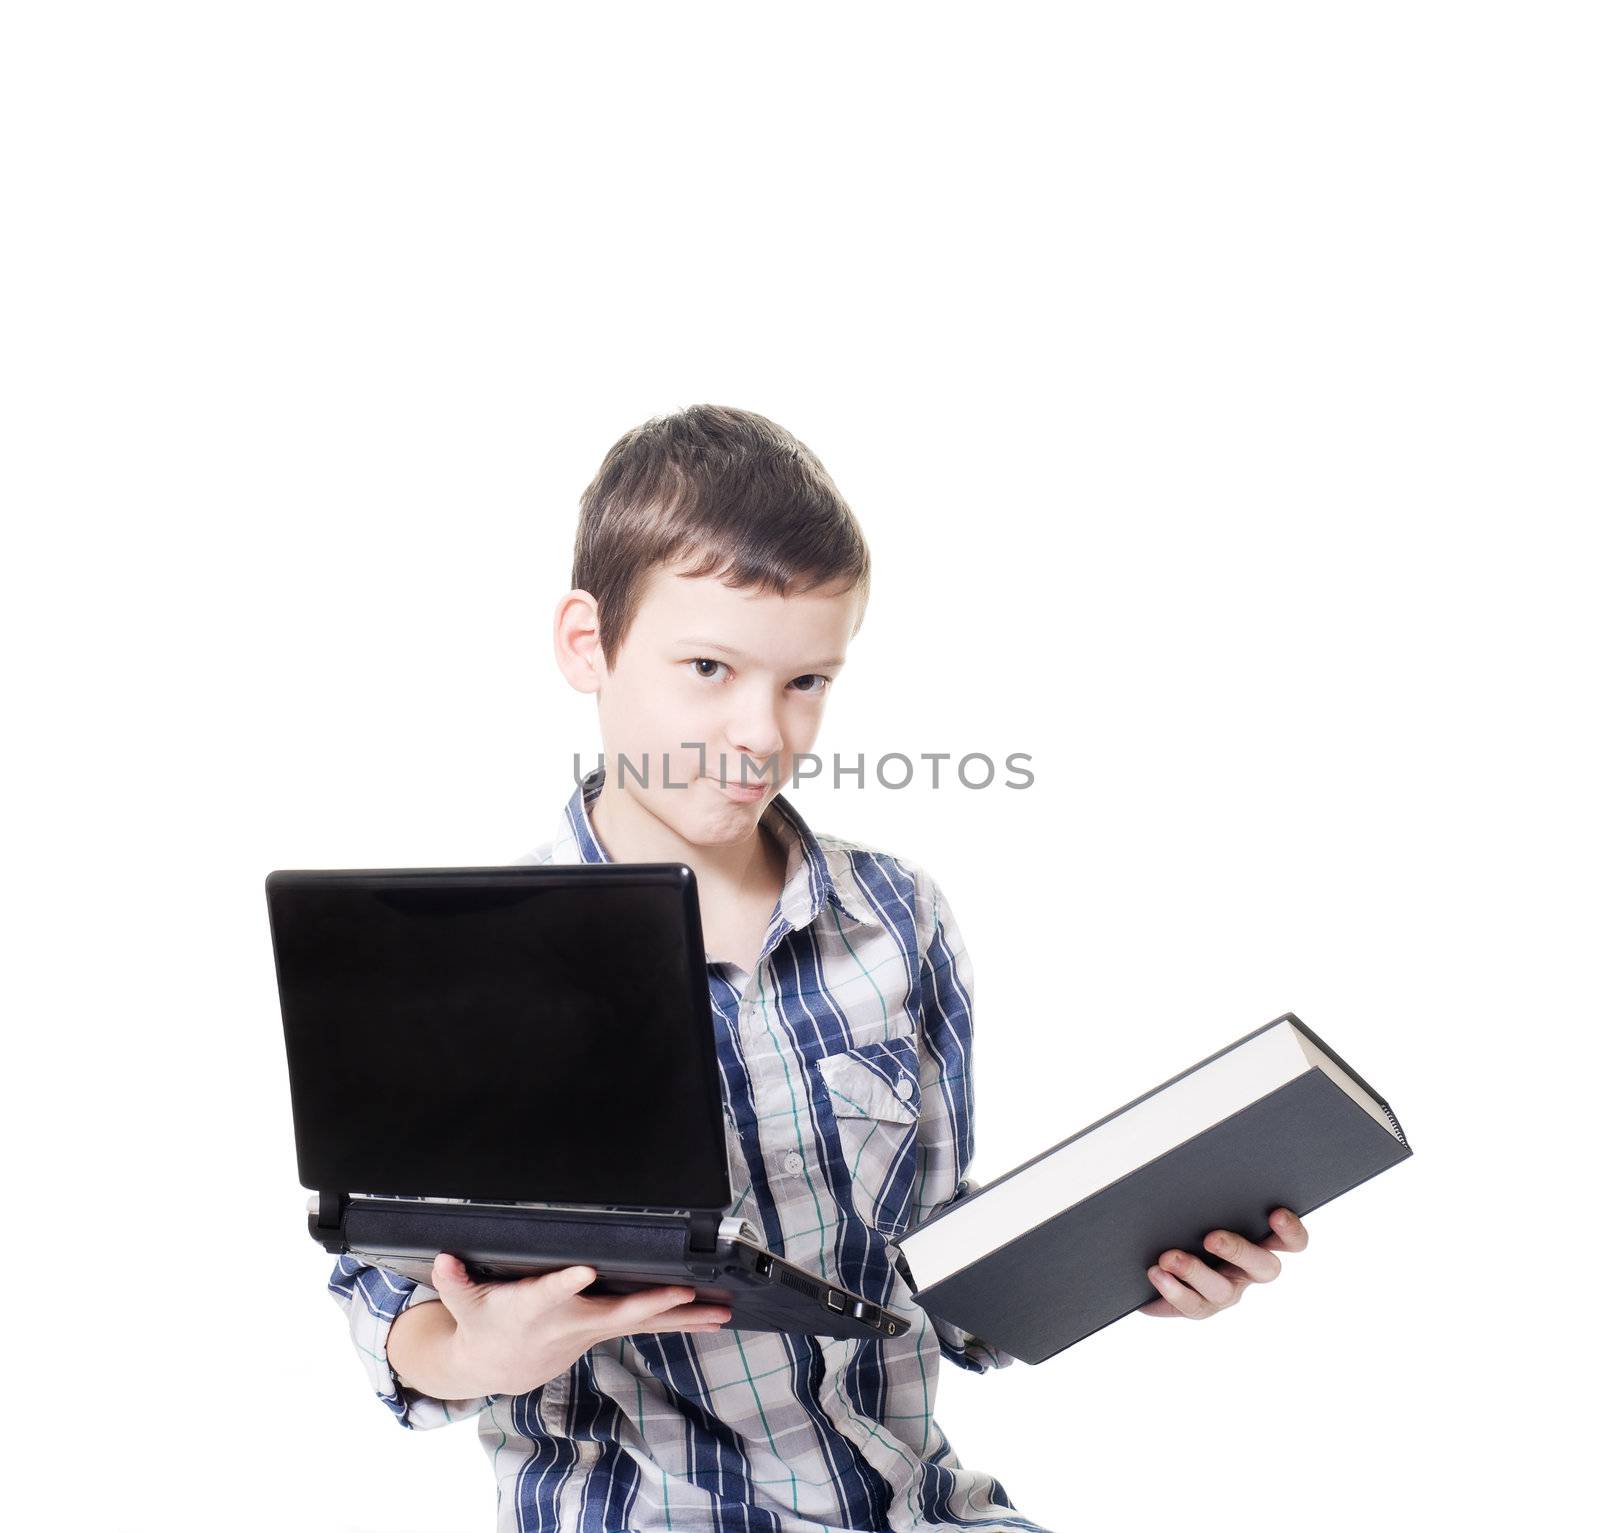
<point x="846" y="1068"/>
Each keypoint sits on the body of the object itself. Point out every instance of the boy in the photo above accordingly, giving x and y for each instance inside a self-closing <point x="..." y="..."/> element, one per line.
<point x="718" y="578"/>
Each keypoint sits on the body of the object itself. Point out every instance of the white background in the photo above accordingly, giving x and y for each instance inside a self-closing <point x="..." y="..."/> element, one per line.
<point x="1216" y="387"/>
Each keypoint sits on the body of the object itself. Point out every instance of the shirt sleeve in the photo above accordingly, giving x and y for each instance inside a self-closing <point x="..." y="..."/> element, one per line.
<point x="945" y="1125"/>
<point x="373" y="1300"/>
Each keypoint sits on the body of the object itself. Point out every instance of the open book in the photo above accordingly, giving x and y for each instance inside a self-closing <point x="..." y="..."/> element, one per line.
<point x="1059" y="1247"/>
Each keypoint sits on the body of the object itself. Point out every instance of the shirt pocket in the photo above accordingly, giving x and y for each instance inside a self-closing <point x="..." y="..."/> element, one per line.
<point x="868" y="1112"/>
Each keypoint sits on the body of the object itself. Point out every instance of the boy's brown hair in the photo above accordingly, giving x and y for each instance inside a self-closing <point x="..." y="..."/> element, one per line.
<point x="728" y="485"/>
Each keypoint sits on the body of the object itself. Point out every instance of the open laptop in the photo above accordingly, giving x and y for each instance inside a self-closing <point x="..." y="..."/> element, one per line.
<point x="518" y="1065"/>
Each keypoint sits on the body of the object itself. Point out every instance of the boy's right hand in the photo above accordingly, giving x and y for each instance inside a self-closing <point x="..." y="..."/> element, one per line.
<point x="512" y="1336"/>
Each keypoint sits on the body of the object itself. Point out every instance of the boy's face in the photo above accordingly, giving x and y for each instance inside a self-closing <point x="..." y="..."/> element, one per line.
<point x="745" y="674"/>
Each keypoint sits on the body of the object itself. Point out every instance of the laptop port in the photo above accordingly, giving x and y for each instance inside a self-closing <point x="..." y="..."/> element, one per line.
<point x="763" y="1266"/>
<point x="836" y="1300"/>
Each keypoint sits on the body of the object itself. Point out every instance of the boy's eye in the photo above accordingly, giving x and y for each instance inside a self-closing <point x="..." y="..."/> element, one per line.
<point x="818" y="682"/>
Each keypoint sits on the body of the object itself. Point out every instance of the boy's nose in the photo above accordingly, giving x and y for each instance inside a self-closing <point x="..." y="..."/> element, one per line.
<point x="743" y="765"/>
<point x="757" y="743"/>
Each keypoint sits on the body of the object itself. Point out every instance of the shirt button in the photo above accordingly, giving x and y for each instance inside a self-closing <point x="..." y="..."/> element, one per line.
<point x="902" y="1087"/>
<point x="793" y="1164"/>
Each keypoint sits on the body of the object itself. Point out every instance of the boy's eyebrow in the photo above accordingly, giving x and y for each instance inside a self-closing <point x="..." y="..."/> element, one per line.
<point x="734" y="654"/>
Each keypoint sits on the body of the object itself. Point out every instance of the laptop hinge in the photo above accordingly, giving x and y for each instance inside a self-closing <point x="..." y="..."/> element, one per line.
<point x="703" y="1227"/>
<point x="326" y="1218"/>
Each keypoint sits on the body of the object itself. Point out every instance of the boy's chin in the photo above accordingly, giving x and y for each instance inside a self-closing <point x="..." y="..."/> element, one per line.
<point x="725" y="816"/>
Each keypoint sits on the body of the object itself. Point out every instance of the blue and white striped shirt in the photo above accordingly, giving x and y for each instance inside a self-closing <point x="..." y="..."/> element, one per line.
<point x="846" y="1068"/>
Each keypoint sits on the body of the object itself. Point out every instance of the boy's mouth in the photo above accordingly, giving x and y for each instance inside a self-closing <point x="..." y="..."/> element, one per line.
<point x="743" y="793"/>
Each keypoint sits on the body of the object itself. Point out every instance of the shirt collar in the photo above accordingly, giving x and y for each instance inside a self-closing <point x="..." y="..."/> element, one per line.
<point x="815" y="876"/>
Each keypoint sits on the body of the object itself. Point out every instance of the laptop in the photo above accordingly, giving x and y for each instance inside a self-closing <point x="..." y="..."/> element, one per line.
<point x="518" y="1065"/>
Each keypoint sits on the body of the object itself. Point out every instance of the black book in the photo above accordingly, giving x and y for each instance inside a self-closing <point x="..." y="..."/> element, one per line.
<point x="1060" y="1246"/>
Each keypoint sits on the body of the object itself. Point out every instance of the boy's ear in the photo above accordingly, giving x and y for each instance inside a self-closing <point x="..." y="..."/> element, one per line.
<point x="577" y="641"/>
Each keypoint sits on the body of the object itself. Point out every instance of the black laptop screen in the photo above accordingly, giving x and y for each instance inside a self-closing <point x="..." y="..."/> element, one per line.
<point x="539" y="1034"/>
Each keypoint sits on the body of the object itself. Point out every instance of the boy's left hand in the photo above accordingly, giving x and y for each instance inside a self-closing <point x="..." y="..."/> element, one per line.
<point x="1194" y="1289"/>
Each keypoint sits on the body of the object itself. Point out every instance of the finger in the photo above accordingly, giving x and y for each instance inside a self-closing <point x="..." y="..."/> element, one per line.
<point x="450" y="1279"/>
<point x="1210" y="1284"/>
<point x="683" y="1317"/>
<point x="1160" y="1309"/>
<point x="575" y="1278"/>
<point x="448" y="1273"/>
<point x="623" y="1314"/>
<point x="1288" y="1232"/>
<point x="1256" y="1262"/>
<point x="690" y="1317"/>
<point x="695" y="1314"/>
<point x="1178" y="1294"/>
<point x="549" y="1289"/>
<point x="570" y="1278"/>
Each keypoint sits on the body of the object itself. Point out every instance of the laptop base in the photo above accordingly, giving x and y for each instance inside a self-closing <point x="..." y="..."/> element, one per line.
<point x="629" y="1251"/>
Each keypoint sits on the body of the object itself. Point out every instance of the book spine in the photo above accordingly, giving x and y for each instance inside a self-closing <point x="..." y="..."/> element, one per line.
<point x="1394" y="1123"/>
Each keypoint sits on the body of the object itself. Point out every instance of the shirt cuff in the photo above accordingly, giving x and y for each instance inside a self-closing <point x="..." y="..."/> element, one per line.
<point x="966" y="1350"/>
<point x="370" y="1326"/>
<point x="992" y="1356"/>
